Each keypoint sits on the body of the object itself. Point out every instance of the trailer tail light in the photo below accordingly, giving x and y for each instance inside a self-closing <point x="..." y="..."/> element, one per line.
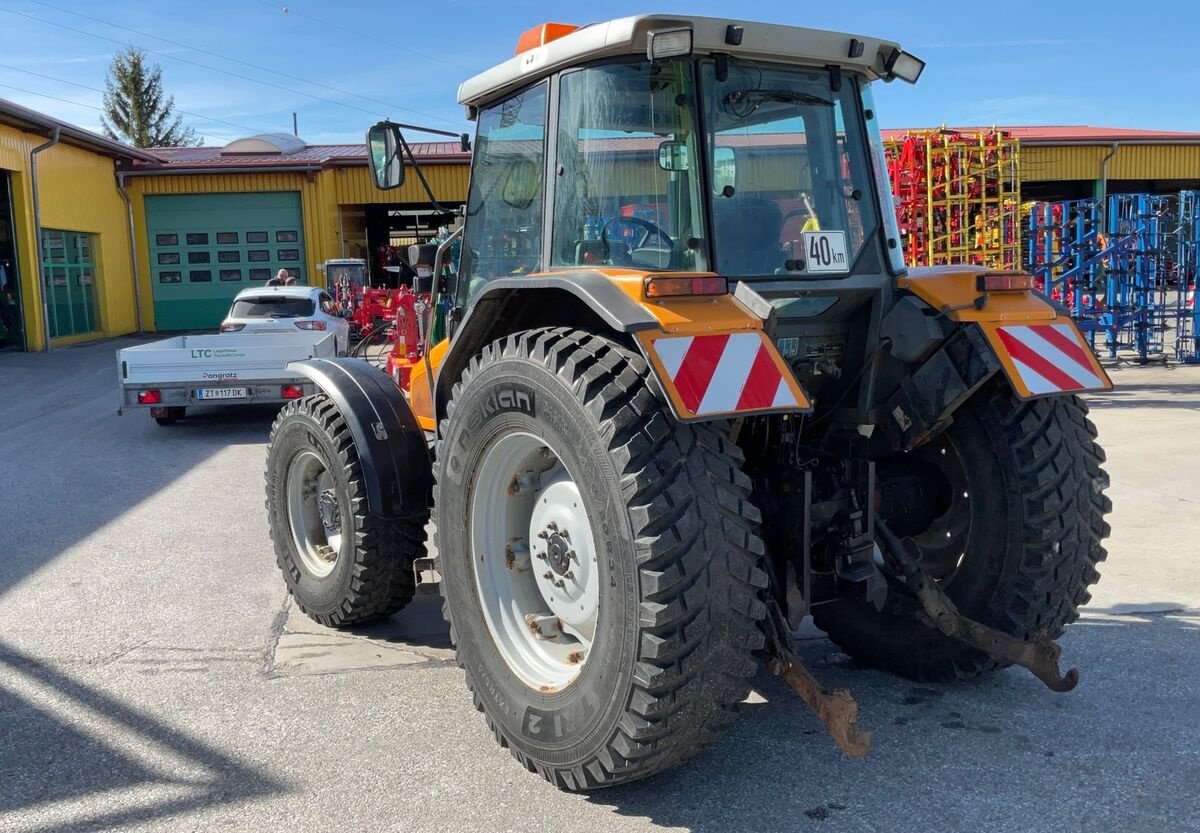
<point x="232" y="328"/>
<point x="291" y="391"/>
<point x="1004" y="282"/>
<point x="149" y="397"/>
<point x="311" y="325"/>
<point x="677" y="287"/>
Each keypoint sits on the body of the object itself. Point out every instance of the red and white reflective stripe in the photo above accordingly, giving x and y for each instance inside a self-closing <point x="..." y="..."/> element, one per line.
<point x="725" y="373"/>
<point x="1050" y="358"/>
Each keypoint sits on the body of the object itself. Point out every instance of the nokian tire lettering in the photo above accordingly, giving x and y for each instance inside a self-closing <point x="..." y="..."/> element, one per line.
<point x="373" y="575"/>
<point x="678" y="549"/>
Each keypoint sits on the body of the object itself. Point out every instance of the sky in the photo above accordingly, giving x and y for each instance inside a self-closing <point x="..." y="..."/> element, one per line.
<point x="239" y="67"/>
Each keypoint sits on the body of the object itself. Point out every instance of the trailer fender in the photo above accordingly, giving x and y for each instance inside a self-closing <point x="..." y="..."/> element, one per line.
<point x="391" y="446"/>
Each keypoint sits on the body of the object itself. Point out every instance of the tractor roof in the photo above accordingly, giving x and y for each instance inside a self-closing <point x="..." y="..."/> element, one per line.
<point x="551" y="50"/>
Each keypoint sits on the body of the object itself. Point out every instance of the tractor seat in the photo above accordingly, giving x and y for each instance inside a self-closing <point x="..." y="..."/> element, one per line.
<point x="748" y="229"/>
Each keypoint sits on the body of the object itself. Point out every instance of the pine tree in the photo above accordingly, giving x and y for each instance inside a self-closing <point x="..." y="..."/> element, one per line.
<point x="136" y="111"/>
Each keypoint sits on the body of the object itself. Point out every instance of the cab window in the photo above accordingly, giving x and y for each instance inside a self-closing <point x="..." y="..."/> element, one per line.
<point x="504" y="206"/>
<point x="627" y="187"/>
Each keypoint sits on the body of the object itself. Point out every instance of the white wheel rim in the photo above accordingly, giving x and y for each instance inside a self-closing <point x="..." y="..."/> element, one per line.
<point x="314" y="515"/>
<point x="534" y="560"/>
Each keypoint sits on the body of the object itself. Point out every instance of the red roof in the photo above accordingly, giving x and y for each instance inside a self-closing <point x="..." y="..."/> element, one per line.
<point x="311" y="156"/>
<point x="1067" y="134"/>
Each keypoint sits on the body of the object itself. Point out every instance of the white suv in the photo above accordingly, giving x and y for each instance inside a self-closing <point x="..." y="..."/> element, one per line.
<point x="285" y="309"/>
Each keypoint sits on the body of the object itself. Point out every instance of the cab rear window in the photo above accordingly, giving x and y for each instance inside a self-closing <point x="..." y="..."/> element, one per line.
<point x="272" y="307"/>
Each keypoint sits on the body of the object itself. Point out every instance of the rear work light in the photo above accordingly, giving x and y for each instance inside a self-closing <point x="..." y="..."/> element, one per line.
<point x="311" y="325"/>
<point x="291" y="391"/>
<point x="667" y="43"/>
<point x="232" y="328"/>
<point x="1004" y="282"/>
<point x="677" y="287"/>
<point x="149" y="397"/>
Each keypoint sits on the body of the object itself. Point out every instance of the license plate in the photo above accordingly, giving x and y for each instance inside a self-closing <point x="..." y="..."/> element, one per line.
<point x="221" y="393"/>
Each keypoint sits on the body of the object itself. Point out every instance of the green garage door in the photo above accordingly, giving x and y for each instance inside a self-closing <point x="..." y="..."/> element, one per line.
<point x="205" y="248"/>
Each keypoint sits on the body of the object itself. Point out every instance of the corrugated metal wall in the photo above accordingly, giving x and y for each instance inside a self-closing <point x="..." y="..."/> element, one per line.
<point x="354" y="186"/>
<point x="1041" y="163"/>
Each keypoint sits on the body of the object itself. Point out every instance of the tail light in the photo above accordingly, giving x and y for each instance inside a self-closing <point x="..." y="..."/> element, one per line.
<point x="232" y="328"/>
<point x="149" y="397"/>
<point x="675" y="287"/>
<point x="291" y="391"/>
<point x="311" y="325"/>
<point x="1004" y="282"/>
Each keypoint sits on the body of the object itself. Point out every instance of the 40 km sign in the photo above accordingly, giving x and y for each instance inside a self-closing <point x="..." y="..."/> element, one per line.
<point x="824" y="251"/>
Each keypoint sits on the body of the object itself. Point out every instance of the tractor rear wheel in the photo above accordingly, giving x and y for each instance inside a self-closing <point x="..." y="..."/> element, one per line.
<point x="342" y="565"/>
<point x="599" y="560"/>
<point x="1006" y="508"/>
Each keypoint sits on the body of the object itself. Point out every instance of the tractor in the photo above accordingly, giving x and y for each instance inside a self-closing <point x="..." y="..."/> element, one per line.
<point x="688" y="395"/>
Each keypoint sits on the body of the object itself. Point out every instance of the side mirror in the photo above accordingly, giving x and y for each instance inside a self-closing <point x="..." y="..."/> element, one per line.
<point x="522" y="184"/>
<point x="673" y="156"/>
<point x="724" y="169"/>
<point x="383" y="149"/>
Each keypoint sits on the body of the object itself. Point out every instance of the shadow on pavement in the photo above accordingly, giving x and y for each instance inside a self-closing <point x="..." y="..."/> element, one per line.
<point x="942" y="752"/>
<point x="44" y="759"/>
<point x="71" y="465"/>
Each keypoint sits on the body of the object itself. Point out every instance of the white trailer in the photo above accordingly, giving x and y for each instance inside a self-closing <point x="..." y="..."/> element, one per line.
<point x="170" y="375"/>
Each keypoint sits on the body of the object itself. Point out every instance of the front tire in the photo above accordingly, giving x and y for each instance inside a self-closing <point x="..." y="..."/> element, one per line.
<point x="1016" y="547"/>
<point x="659" y="671"/>
<point x="342" y="565"/>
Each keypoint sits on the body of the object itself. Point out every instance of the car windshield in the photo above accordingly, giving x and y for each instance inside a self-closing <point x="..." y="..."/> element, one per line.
<point x="789" y="170"/>
<point x="272" y="306"/>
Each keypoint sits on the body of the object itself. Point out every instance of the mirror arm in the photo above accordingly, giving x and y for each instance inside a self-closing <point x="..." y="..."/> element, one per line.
<point x="421" y="176"/>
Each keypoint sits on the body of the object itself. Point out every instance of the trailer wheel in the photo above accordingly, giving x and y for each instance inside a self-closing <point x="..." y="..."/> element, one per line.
<point x="599" y="560"/>
<point x="342" y="565"/>
<point x="1007" y="510"/>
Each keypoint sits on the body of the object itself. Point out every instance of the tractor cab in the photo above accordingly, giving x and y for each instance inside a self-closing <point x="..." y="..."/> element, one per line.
<point x="691" y="146"/>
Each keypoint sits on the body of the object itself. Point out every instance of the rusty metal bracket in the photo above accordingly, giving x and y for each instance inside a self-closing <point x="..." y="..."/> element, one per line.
<point x="1040" y="656"/>
<point x="837" y="710"/>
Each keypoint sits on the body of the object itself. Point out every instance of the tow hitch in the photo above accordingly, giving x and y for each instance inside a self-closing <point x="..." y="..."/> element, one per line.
<point x="1039" y="656"/>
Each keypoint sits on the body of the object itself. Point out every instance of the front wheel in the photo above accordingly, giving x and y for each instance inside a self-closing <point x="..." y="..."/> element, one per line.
<point x="342" y="565"/>
<point x="599" y="560"/>
<point x="1006" y="509"/>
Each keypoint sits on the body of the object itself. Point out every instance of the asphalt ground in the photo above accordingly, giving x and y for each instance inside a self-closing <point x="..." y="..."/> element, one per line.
<point x="154" y="677"/>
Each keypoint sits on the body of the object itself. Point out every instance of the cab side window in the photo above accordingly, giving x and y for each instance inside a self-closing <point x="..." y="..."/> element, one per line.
<point x="504" y="206"/>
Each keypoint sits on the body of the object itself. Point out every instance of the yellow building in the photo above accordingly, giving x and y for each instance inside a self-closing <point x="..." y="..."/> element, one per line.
<point x="65" y="256"/>
<point x="77" y="261"/>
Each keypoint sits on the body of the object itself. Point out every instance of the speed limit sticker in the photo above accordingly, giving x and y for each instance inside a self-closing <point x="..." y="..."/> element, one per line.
<point x="824" y="251"/>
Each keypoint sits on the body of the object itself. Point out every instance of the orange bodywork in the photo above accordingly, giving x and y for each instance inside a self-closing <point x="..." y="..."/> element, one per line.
<point x="1041" y="353"/>
<point x="769" y="385"/>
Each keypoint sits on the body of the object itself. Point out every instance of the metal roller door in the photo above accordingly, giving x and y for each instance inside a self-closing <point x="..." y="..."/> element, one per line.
<point x="205" y="248"/>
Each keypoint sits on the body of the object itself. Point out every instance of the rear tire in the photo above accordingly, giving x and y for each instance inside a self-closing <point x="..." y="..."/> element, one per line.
<point x="357" y="567"/>
<point x="1036" y="526"/>
<point x="676" y="552"/>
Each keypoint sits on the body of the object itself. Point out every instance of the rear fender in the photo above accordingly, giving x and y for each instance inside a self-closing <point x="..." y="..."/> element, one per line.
<point x="1040" y="350"/>
<point x="709" y="355"/>
<point x="391" y="446"/>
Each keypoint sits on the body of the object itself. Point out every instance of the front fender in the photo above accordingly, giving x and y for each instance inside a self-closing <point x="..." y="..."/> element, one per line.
<point x="391" y="446"/>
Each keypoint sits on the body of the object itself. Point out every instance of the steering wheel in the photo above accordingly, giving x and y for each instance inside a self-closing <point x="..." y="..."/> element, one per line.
<point x="648" y="228"/>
